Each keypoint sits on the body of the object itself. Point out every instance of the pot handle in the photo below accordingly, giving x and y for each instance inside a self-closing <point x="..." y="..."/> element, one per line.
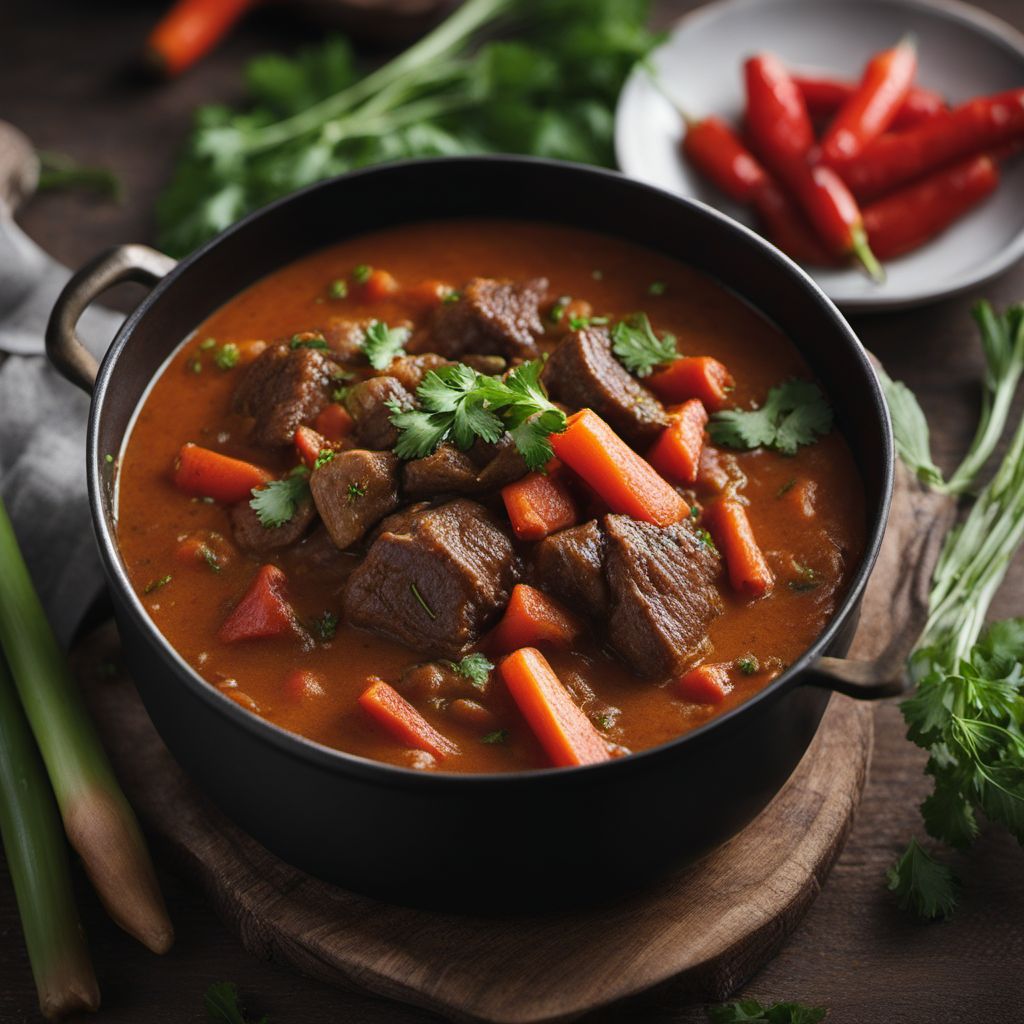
<point x="862" y="680"/>
<point x="122" y="263"/>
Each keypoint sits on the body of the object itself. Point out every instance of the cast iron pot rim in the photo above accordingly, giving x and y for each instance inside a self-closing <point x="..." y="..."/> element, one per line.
<point x="304" y="749"/>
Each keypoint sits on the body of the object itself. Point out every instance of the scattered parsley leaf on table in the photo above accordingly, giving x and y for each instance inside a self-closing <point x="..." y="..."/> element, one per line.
<point x="638" y="348"/>
<point x="922" y="884"/>
<point x="794" y="413"/>
<point x="276" y="502"/>
<point x="751" y="1011"/>
<point x="223" y="1005"/>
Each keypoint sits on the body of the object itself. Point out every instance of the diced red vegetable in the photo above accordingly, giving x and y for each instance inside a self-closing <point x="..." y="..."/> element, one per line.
<point x="308" y="445"/>
<point x="531" y="617"/>
<point x="263" y="612"/>
<point x="208" y="474"/>
<point x="380" y="285"/>
<point x="676" y="454"/>
<point x="693" y="377"/>
<point x="334" y="422"/>
<point x="564" y="732"/>
<point x="706" y="684"/>
<point x="302" y="685"/>
<point x="627" y="482"/>
<point x="397" y="716"/>
<point x="727" y="522"/>
<point x="539" y="504"/>
<point x="428" y="293"/>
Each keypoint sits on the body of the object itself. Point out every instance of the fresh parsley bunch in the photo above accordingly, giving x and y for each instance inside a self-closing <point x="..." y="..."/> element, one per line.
<point x="551" y="92"/>
<point x="967" y="710"/>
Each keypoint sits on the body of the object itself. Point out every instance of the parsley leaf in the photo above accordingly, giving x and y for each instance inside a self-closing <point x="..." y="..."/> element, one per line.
<point x="474" y="667"/>
<point x="227" y="356"/>
<point x="223" y="1005"/>
<point x="751" y="1011"/>
<point x="383" y="343"/>
<point x="325" y="626"/>
<point x="794" y="413"/>
<point x="638" y="348"/>
<point x="277" y="502"/>
<point x="498" y="736"/>
<point x="459" y="404"/>
<point x="308" y="339"/>
<point x="922" y="884"/>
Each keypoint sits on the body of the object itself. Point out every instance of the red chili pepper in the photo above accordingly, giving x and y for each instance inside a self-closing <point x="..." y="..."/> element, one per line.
<point x="189" y="30"/>
<point x="785" y="226"/>
<point x="907" y="219"/>
<point x="716" y="151"/>
<point x="872" y="107"/>
<point x="780" y="129"/>
<point x="981" y="125"/>
<point x="824" y="96"/>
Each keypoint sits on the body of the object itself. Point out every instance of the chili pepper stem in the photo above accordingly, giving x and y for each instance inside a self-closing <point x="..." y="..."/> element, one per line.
<point x="688" y="119"/>
<point x="862" y="252"/>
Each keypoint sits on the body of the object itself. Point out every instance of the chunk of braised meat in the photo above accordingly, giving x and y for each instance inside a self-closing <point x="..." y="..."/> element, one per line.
<point x="435" y="579"/>
<point x="491" y="317"/>
<point x="583" y="372"/>
<point x="316" y="557"/>
<point x="446" y="471"/>
<point x="354" y="491"/>
<point x="490" y="366"/>
<point x="256" y="539"/>
<point x="499" y="464"/>
<point x="409" y="371"/>
<point x="284" y="388"/>
<point x="345" y="337"/>
<point x="367" y="403"/>
<point x="663" y="594"/>
<point x="570" y="565"/>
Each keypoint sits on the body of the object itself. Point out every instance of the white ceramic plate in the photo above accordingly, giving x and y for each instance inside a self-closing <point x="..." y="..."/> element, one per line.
<point x="962" y="53"/>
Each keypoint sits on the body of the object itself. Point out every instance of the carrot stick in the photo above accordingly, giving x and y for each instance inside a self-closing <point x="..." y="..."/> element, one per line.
<point x="334" y="422"/>
<point x="263" y="611"/>
<point x="539" y="504"/>
<point x="308" y="445"/>
<point x="625" y="481"/>
<point x="706" y="684"/>
<point x="676" y="454"/>
<point x="395" y="714"/>
<point x="208" y="474"/>
<point x="564" y="731"/>
<point x="694" y="377"/>
<point x="730" y="528"/>
<point x="530" y="618"/>
<point x="189" y="30"/>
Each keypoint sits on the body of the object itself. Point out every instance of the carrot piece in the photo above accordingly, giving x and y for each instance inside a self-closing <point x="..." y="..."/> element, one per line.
<point x="676" y="454"/>
<point x="627" y="482"/>
<point x="730" y="528"/>
<point x="264" y="611"/>
<point x="531" y="617"/>
<point x="380" y="285"/>
<point x="706" y="684"/>
<point x="693" y="377"/>
<point x="539" y="504"/>
<point x="189" y="30"/>
<point x="334" y="422"/>
<point x="207" y="474"/>
<point x="301" y="684"/>
<point x="395" y="714"/>
<point x="564" y="731"/>
<point x="308" y="445"/>
<point x="429" y="293"/>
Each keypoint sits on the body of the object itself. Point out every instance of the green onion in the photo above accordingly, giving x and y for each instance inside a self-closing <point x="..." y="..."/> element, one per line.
<point x="37" y="858"/>
<point x="98" y="820"/>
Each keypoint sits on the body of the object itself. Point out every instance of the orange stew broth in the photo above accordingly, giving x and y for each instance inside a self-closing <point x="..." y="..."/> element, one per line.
<point x="806" y="510"/>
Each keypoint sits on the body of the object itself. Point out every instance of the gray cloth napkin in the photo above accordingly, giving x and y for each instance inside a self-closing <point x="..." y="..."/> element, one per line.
<point x="42" y="433"/>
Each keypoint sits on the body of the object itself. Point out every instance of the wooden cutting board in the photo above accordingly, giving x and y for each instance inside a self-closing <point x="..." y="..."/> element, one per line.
<point x="703" y="930"/>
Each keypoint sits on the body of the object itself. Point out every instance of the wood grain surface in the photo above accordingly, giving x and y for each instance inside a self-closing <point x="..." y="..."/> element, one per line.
<point x="64" y="81"/>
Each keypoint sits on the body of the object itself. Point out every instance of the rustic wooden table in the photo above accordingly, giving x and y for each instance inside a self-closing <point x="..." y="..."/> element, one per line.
<point x="63" y="81"/>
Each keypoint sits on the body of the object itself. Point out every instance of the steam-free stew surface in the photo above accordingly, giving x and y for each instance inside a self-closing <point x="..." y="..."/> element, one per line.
<point x="806" y="509"/>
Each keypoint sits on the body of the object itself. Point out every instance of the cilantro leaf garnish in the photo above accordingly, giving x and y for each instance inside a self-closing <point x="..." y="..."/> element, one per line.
<point x="277" y="502"/>
<point x="474" y="667"/>
<point x="922" y="884"/>
<point x="751" y="1011"/>
<point x="383" y="343"/>
<point x="638" y="348"/>
<point x="224" y="1005"/>
<point x="794" y="413"/>
<point x="308" y="339"/>
<point x="498" y="736"/>
<point x="325" y="626"/>
<point x="156" y="584"/>
<point x="227" y="356"/>
<point x="459" y="404"/>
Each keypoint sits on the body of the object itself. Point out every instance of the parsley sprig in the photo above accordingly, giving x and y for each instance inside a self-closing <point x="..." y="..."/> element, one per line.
<point x="277" y="502"/>
<point x="383" y="343"/>
<point x="794" y="413"/>
<point x="639" y="348"/>
<point x="475" y="667"/>
<point x="460" y="404"/>
<point x="967" y="710"/>
<point x="752" y="1011"/>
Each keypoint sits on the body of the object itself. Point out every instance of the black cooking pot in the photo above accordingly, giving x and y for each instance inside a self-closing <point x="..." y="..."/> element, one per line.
<point x="485" y="841"/>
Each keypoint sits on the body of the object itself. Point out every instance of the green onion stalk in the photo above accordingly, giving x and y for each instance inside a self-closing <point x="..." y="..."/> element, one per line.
<point x="37" y="858"/>
<point x="98" y="820"/>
